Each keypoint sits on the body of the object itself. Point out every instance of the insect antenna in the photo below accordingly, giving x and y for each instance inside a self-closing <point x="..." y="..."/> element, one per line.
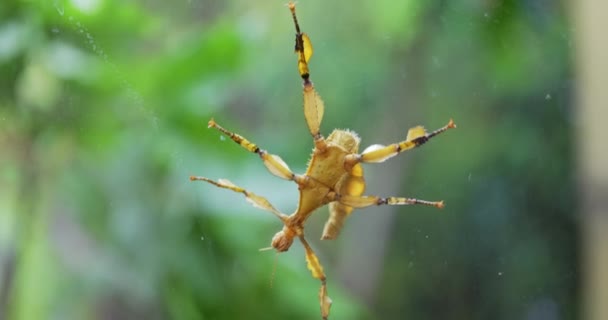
<point x="274" y="265"/>
<point x="274" y="268"/>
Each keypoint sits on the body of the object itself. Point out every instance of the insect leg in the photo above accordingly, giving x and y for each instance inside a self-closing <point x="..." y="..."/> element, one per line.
<point x="254" y="199"/>
<point x="303" y="47"/>
<point x="316" y="269"/>
<point x="416" y="137"/>
<point x="273" y="163"/>
<point x="313" y="105"/>
<point x="366" y="201"/>
<point x="313" y="113"/>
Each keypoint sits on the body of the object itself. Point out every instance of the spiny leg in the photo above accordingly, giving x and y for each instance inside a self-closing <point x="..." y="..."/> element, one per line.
<point x="315" y="267"/>
<point x="416" y="137"/>
<point x="366" y="201"/>
<point x="255" y="200"/>
<point x="273" y="163"/>
<point x="313" y="104"/>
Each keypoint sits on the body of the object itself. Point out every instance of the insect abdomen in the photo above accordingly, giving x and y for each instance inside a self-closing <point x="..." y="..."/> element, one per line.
<point x="353" y="184"/>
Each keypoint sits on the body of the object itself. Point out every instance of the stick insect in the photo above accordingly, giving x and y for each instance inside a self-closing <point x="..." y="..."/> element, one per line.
<point x="334" y="175"/>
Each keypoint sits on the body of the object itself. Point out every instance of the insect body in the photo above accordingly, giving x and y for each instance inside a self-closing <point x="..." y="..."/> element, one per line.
<point x="334" y="175"/>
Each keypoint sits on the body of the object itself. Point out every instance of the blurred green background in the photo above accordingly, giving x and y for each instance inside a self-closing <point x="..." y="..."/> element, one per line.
<point x="103" y="112"/>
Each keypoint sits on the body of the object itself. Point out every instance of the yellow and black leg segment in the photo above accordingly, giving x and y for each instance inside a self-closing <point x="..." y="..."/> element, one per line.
<point x="313" y="104"/>
<point x="273" y="163"/>
<point x="303" y="46"/>
<point x="416" y="137"/>
<point x="316" y="269"/>
<point x="366" y="201"/>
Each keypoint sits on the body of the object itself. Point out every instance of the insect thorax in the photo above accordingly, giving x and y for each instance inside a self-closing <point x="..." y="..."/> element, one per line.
<point x="327" y="167"/>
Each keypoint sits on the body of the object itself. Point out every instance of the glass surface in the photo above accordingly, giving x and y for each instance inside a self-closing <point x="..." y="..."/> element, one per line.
<point x="104" y="107"/>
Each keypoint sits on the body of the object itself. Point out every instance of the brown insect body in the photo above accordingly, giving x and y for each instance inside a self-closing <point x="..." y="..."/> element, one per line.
<point x="334" y="175"/>
<point x="326" y="177"/>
